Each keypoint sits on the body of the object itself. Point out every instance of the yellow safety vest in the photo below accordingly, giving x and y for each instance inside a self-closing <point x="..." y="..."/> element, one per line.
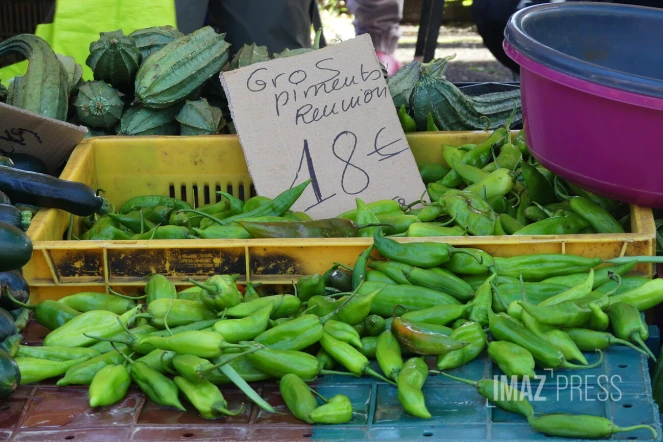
<point x="78" y="23"/>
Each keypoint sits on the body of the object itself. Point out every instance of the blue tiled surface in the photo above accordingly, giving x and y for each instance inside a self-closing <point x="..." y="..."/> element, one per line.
<point x="619" y="389"/>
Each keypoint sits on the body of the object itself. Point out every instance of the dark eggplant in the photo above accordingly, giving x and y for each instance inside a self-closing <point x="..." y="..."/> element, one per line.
<point x="15" y="248"/>
<point x="7" y="325"/>
<point x="23" y="161"/>
<point x="47" y="191"/>
<point x="11" y="215"/>
<point x="17" y="287"/>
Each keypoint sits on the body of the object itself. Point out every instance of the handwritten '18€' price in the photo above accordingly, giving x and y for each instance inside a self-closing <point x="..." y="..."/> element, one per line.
<point x="353" y="179"/>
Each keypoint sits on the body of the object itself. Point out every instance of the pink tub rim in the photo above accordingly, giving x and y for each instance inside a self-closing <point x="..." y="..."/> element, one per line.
<point x="582" y="85"/>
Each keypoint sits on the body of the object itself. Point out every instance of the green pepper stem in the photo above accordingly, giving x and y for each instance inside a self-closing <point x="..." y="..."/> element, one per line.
<point x="124" y="327"/>
<point x="240" y="383"/>
<point x="337" y="309"/>
<point x="499" y="296"/>
<point x="203" y="286"/>
<point x="366" y="226"/>
<point x="203" y="214"/>
<point x="614" y="276"/>
<point x="155" y="231"/>
<point x="617" y="429"/>
<point x="142" y="222"/>
<point x="317" y="394"/>
<point x="127" y="358"/>
<point x="615" y="340"/>
<point x="231" y="358"/>
<point x="340" y="373"/>
<point x="377" y="375"/>
<point x="637" y="259"/>
<point x="113" y="292"/>
<point x="559" y="190"/>
<point x="338" y="264"/>
<point x="17" y="302"/>
<point x="637" y="338"/>
<point x="478" y="258"/>
<point x="466" y="381"/>
<point x="452" y="220"/>
<point x="567" y="364"/>
<point x="165" y="318"/>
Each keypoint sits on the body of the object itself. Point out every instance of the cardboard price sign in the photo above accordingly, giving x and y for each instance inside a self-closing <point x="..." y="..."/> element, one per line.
<point x="49" y="140"/>
<point x="326" y="115"/>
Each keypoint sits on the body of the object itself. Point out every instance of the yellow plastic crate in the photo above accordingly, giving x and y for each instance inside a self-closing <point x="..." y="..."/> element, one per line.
<point x="194" y="168"/>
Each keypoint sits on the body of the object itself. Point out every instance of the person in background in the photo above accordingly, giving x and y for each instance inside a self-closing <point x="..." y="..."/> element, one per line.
<point x="380" y="19"/>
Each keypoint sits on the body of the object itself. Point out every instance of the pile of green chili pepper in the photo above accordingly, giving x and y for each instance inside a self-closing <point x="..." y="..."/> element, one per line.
<point x="401" y="305"/>
<point x="491" y="188"/>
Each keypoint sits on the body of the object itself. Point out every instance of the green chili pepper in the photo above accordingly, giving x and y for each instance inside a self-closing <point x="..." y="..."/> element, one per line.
<point x="599" y="320"/>
<point x="343" y="332"/>
<point x="235" y="205"/>
<point x="536" y="292"/>
<point x="349" y="357"/>
<point x="605" y="203"/>
<point x="500" y="394"/>
<point x="411" y="379"/>
<point x="244" y="329"/>
<point x="369" y="346"/>
<point x="601" y="275"/>
<point x="159" y="287"/>
<point x="525" y="201"/>
<point x="432" y="172"/>
<point x="338" y="278"/>
<point x="240" y="368"/>
<point x="337" y="411"/>
<point x="388" y="354"/>
<point x="147" y="202"/>
<point x="520" y="142"/>
<point x="535" y="213"/>
<point x="416" y="339"/>
<point x="439" y="280"/>
<point x="359" y="271"/>
<point x="396" y="223"/>
<point x="210" y="209"/>
<point x="509" y="157"/>
<point x="512" y="359"/>
<point x="34" y="370"/>
<point x="600" y="219"/>
<point x="309" y="286"/>
<point x="423" y="254"/>
<point x="132" y="221"/>
<point x="546" y="355"/>
<point x="57" y="353"/>
<point x="564" y="314"/>
<point x="419" y="230"/>
<point x="298" y="397"/>
<point x="482" y="302"/>
<point x="477" y="157"/>
<point x="178" y="219"/>
<point x="471" y="332"/>
<point x="379" y="277"/>
<point x="160" y="360"/>
<point x="325" y="361"/>
<point x="223" y="232"/>
<point x="579" y="291"/>
<point x="293" y="335"/>
<point x="590" y="340"/>
<point x="191" y="294"/>
<point x="496" y="184"/>
<point x="470" y="174"/>
<point x="255" y="202"/>
<point x="468" y="264"/>
<point x="358" y="307"/>
<point x="109" y="386"/>
<point x="50" y="314"/>
<point x="83" y="372"/>
<point x="407" y="122"/>
<point x="278" y="363"/>
<point x="628" y="325"/>
<point x="163" y="232"/>
<point x="557" y="225"/>
<point x="500" y="205"/>
<point x="436" y="191"/>
<point x="98" y="323"/>
<point x="565" y="344"/>
<point x="470" y="212"/>
<point x="538" y="267"/>
<point x="364" y="217"/>
<point x="160" y="389"/>
<point x="540" y="189"/>
<point x="410" y="297"/>
<point x="625" y="284"/>
<point x="510" y="224"/>
<point x="204" y="344"/>
<point x="324" y="228"/>
<point x="219" y="292"/>
<point x="393" y="269"/>
<point x="475" y="281"/>
<point x="374" y="325"/>
<point x="377" y="207"/>
<point x="440" y="314"/>
<point x="644" y="297"/>
<point x="580" y="426"/>
<point x="276" y="207"/>
<point x="205" y="397"/>
<point x="180" y="312"/>
<point x="90" y="301"/>
<point x="284" y="305"/>
<point x="159" y="215"/>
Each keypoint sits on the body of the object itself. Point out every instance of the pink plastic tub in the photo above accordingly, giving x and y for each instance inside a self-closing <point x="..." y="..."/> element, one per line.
<point x="588" y="121"/>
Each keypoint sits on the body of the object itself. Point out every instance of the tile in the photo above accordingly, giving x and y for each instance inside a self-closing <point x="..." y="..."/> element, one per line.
<point x="153" y="414"/>
<point x="76" y="435"/>
<point x="423" y="432"/>
<point x="284" y="432"/>
<point x="69" y="407"/>
<point x="189" y="433"/>
<point x="272" y="395"/>
<point x="5" y="434"/>
<point x="10" y="412"/>
<point x="457" y="404"/>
